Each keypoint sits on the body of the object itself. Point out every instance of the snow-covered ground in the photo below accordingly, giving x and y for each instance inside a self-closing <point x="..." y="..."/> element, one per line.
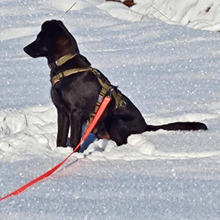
<point x="171" y="72"/>
<point x="198" y="14"/>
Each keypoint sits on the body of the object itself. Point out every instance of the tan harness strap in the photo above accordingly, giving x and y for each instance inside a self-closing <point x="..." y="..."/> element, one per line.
<point x="106" y="87"/>
<point x="55" y="79"/>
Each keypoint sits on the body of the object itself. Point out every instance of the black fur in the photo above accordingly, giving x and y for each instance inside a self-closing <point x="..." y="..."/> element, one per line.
<point x="75" y="96"/>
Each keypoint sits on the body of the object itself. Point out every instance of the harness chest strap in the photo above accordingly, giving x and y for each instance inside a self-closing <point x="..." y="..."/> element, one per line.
<point x="106" y="87"/>
<point x="55" y="79"/>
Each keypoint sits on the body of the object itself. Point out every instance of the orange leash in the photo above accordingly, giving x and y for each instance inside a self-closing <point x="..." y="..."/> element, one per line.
<point x="93" y="123"/>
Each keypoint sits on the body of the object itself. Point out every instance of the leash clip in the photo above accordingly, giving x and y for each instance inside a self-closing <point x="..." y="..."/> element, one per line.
<point x="111" y="90"/>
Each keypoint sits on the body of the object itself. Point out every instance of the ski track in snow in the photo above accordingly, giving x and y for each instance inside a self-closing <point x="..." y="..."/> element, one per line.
<point x="170" y="72"/>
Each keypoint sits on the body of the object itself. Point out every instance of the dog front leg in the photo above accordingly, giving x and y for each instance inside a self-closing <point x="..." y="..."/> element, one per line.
<point x="76" y="129"/>
<point x="63" y="128"/>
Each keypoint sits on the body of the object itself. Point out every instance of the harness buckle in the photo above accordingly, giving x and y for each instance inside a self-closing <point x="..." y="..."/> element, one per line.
<point x="110" y="92"/>
<point x="123" y="103"/>
<point x="100" y="98"/>
<point x="61" y="75"/>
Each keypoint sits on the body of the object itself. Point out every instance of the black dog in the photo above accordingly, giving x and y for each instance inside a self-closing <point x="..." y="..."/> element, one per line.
<point x="77" y="90"/>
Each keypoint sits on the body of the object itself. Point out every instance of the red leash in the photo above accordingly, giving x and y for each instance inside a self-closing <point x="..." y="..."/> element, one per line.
<point x="96" y="118"/>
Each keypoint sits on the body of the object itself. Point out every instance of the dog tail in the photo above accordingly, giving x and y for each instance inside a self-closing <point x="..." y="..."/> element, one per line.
<point x="182" y="126"/>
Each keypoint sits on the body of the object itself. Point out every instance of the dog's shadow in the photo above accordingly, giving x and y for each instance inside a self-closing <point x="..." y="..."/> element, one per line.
<point x="90" y="139"/>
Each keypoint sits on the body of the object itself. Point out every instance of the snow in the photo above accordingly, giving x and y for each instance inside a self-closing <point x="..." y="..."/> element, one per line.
<point x="198" y="14"/>
<point x="169" y="70"/>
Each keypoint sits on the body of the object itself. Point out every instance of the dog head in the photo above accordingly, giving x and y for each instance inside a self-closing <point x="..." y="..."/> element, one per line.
<point x="53" y="42"/>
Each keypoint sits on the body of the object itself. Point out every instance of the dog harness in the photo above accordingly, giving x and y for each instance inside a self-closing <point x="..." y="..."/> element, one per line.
<point x="106" y="87"/>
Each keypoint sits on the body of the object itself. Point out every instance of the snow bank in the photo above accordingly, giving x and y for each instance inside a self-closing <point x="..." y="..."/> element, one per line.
<point x="198" y="14"/>
<point x="32" y="131"/>
<point x="22" y="130"/>
<point x="120" y="11"/>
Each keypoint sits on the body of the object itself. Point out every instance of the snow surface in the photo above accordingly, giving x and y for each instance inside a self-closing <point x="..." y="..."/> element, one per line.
<point x="198" y="14"/>
<point x="170" y="72"/>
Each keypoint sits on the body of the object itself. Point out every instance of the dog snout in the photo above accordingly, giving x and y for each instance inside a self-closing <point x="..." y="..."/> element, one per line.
<point x="30" y="50"/>
<point x="26" y="50"/>
<point x="35" y="50"/>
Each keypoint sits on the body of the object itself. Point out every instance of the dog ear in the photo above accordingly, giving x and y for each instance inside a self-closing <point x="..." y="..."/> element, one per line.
<point x="45" y="25"/>
<point x="63" y="41"/>
<point x="52" y="23"/>
<point x="64" y="45"/>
